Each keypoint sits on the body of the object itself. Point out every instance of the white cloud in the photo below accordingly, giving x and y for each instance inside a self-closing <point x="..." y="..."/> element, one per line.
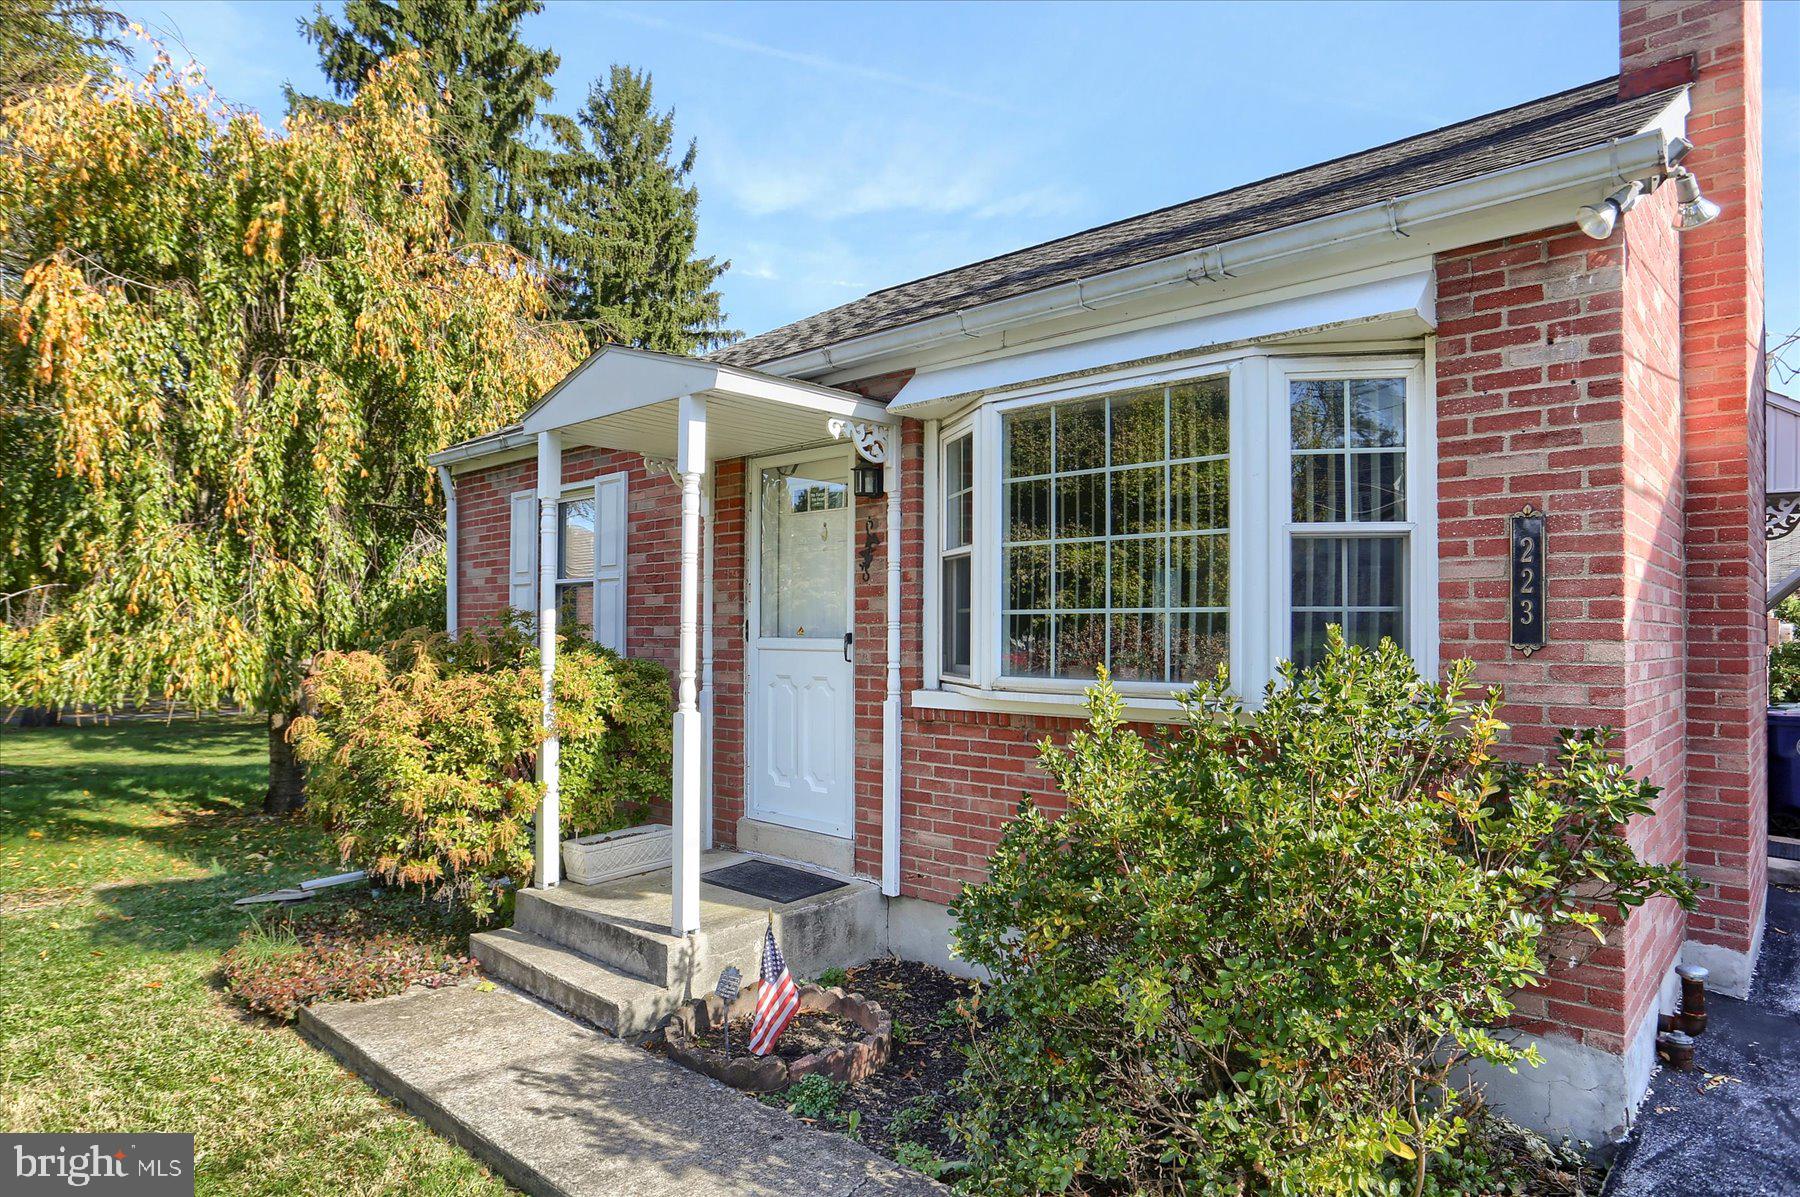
<point x="815" y="62"/>
<point x="878" y="174"/>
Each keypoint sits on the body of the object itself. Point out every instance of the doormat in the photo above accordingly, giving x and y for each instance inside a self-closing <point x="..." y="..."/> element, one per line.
<point x="770" y="882"/>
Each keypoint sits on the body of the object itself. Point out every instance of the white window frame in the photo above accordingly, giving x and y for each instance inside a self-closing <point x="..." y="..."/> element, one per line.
<point x="588" y="488"/>
<point x="574" y="492"/>
<point x="1421" y="496"/>
<point x="954" y="431"/>
<point x="1260" y="524"/>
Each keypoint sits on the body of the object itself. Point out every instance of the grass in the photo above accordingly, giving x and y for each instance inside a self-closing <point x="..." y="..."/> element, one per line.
<point x="121" y="849"/>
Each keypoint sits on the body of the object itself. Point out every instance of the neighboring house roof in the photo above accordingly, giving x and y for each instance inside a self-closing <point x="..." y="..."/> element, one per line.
<point x="1567" y="121"/>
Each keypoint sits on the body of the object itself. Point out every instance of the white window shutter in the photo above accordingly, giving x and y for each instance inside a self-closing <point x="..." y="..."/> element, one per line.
<point x="522" y="560"/>
<point x="610" y="520"/>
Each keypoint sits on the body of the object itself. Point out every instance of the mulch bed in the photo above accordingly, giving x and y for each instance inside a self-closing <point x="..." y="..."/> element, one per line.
<point x="811" y="1031"/>
<point x="910" y="1099"/>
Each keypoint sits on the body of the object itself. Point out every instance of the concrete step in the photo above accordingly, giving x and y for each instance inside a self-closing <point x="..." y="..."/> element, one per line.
<point x="578" y="918"/>
<point x="614" y="1001"/>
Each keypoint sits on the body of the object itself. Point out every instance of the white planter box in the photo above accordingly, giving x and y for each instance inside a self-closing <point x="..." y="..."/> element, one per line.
<point x="595" y="858"/>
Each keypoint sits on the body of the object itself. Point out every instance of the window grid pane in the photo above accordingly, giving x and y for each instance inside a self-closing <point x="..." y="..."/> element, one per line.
<point x="1348" y="467"/>
<point x="1356" y="582"/>
<point x="1115" y="545"/>
<point x="1349" y="450"/>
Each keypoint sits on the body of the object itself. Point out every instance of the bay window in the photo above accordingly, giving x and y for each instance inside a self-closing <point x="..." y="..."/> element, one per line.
<point x="1222" y="514"/>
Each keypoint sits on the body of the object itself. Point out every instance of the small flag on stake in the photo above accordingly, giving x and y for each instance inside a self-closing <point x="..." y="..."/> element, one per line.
<point x="777" y="1000"/>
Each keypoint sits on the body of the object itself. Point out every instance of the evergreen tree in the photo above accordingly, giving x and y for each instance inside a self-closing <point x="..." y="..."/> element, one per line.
<point x="616" y="217"/>
<point x="488" y="86"/>
<point x="51" y="41"/>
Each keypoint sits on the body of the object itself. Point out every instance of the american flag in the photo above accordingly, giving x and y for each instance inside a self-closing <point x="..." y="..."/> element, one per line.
<point x="776" y="998"/>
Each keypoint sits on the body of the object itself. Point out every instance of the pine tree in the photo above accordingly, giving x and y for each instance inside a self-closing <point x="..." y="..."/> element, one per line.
<point x="489" y="86"/>
<point x="51" y="41"/>
<point x="616" y="220"/>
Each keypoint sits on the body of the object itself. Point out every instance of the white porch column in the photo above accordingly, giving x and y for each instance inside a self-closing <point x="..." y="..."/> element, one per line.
<point x="452" y="559"/>
<point x="690" y="462"/>
<point x="890" y="706"/>
<point x="706" y="663"/>
<point x="547" y="870"/>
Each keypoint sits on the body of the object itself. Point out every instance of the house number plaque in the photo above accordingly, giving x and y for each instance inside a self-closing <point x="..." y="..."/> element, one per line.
<point x="1527" y="580"/>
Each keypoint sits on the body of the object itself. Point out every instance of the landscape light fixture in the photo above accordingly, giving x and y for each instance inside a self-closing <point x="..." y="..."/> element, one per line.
<point x="1599" y="220"/>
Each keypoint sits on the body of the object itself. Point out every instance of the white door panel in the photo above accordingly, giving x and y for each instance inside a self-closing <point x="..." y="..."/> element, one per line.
<point x="801" y="680"/>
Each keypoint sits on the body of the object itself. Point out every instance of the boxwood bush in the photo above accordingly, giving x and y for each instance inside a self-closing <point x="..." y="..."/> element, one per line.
<point x="421" y="756"/>
<point x="1255" y="952"/>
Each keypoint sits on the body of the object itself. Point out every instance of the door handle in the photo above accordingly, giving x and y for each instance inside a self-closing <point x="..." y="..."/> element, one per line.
<point x="849" y="642"/>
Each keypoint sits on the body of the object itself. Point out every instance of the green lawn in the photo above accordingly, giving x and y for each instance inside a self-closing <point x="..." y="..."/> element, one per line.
<point x="121" y="849"/>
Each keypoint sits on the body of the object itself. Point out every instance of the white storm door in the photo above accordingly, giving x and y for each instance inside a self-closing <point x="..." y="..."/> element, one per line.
<point x="802" y="700"/>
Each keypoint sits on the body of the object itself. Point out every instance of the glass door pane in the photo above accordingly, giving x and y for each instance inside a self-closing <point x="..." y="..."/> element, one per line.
<point x="805" y="529"/>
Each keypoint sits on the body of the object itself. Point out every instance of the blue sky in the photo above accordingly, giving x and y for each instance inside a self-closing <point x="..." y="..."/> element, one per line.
<point x="846" y="147"/>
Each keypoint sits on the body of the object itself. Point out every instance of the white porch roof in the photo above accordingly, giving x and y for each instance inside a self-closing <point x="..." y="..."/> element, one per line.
<point x="630" y="399"/>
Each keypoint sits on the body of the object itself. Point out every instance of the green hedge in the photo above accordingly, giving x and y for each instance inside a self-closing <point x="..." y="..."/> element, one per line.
<point x="420" y="756"/>
<point x="1250" y="955"/>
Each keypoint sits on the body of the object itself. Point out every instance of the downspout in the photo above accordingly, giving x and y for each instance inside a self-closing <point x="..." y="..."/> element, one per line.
<point x="448" y="484"/>
<point x="890" y="707"/>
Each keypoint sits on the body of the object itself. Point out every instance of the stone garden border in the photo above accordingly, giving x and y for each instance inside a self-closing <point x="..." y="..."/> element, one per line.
<point x="766" y="1074"/>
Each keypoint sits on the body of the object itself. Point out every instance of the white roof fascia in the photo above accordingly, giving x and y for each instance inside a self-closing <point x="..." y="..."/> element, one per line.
<point x="617" y="379"/>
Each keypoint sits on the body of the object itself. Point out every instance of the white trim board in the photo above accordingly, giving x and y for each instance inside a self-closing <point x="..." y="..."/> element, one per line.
<point x="1404" y="306"/>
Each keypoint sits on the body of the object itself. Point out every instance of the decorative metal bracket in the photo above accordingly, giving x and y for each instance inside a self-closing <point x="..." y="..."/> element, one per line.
<point x="1781" y="513"/>
<point x="663" y="465"/>
<point x="871" y="440"/>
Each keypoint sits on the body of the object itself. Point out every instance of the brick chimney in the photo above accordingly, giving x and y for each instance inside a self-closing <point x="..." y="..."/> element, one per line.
<point x="1717" y="46"/>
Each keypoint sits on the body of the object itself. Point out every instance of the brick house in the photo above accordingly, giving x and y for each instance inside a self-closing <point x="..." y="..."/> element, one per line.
<point x="883" y="547"/>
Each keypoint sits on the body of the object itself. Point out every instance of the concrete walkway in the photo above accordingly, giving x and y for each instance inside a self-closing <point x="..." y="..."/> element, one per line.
<point x="558" y="1108"/>
<point x="1738" y="1136"/>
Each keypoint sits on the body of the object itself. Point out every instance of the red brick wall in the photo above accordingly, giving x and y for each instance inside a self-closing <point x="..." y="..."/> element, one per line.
<point x="1722" y="428"/>
<point x="729" y="613"/>
<point x="653" y="544"/>
<point x="1654" y="591"/>
<point x="1556" y="388"/>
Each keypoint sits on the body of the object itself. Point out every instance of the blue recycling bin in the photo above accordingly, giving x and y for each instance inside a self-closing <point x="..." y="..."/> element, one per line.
<point x="1784" y="759"/>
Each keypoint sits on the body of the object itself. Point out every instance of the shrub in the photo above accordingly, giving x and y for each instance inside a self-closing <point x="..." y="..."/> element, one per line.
<point x="1784" y="659"/>
<point x="351" y="954"/>
<point x="1255" y="951"/>
<point x="421" y="756"/>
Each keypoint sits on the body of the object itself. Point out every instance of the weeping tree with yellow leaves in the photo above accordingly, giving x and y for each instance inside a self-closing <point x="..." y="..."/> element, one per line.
<point x="227" y="351"/>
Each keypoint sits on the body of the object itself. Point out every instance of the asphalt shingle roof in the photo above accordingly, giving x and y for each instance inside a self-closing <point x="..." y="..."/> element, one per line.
<point x="1557" y="124"/>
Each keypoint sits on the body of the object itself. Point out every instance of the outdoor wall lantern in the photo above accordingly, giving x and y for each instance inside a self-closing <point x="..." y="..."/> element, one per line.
<point x="867" y="480"/>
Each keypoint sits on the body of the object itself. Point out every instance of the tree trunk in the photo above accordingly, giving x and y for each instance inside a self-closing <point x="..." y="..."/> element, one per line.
<point x="287" y="782"/>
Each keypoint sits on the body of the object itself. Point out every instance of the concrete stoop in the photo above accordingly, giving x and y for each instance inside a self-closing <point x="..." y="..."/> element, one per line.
<point x="604" y="952"/>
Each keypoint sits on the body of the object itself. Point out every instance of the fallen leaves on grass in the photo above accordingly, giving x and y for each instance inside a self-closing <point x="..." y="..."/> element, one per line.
<point x="345" y="955"/>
